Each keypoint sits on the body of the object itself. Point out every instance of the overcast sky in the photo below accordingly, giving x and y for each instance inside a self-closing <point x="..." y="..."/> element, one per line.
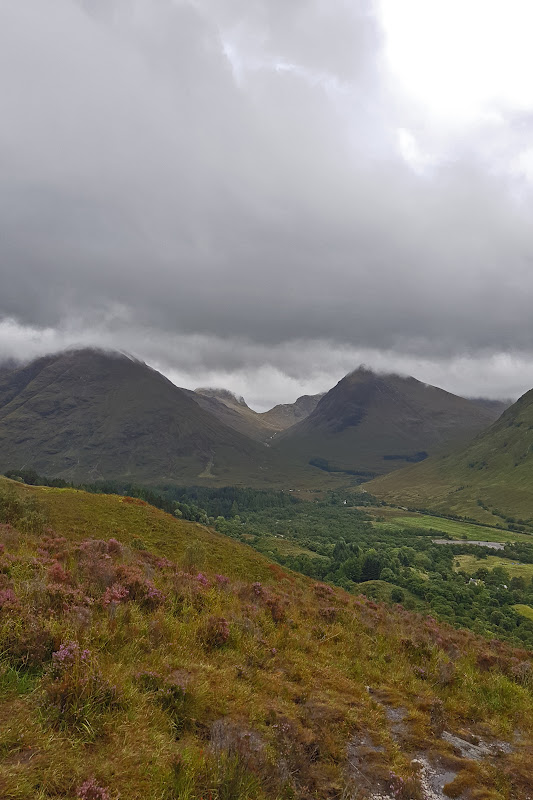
<point x="263" y="194"/>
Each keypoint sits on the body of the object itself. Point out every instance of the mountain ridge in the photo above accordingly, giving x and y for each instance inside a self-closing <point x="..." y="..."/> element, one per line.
<point x="370" y="423"/>
<point x="262" y="426"/>
<point x="91" y="414"/>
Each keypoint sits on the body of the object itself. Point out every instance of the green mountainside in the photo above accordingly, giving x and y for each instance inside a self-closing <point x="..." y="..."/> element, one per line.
<point x="370" y="424"/>
<point x="87" y="415"/>
<point x="148" y="658"/>
<point x="490" y="480"/>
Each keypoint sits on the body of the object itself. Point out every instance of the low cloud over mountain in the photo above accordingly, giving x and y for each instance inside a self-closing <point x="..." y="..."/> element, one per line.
<point x="243" y="194"/>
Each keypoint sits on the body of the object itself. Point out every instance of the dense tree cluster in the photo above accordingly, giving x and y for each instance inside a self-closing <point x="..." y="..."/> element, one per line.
<point x="340" y="545"/>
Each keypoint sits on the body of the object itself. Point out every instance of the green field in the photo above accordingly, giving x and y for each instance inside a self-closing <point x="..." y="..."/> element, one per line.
<point x="514" y="568"/>
<point x="456" y="529"/>
<point x="525" y="611"/>
<point x="285" y="547"/>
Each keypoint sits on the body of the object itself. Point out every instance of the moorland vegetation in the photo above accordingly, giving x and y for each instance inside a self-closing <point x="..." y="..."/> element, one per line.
<point x="144" y="656"/>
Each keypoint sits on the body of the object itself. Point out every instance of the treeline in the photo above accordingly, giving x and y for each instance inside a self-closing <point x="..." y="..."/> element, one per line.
<point x="189" y="511"/>
<point x="195" y="503"/>
<point x="229" y="501"/>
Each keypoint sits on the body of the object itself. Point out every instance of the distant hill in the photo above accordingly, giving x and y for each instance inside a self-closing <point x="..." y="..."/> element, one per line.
<point x="370" y="424"/>
<point x="494" y="473"/>
<point x="90" y="415"/>
<point x="234" y="411"/>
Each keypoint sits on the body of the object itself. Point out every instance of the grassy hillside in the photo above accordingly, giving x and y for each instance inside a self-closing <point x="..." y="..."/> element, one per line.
<point x="371" y="424"/>
<point x="87" y="415"/>
<point x="491" y="480"/>
<point x="147" y="657"/>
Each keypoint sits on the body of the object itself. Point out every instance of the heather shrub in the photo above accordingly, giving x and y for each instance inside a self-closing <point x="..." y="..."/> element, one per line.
<point x="114" y="595"/>
<point x="25" y="640"/>
<point x="53" y="547"/>
<point x="75" y="694"/>
<point x="114" y="547"/>
<point x="202" y="580"/>
<point x="96" y="565"/>
<point x="215" y="632"/>
<point x="328" y="613"/>
<point x="277" y="609"/>
<point x="90" y="790"/>
<point x="58" y="574"/>
<point x="322" y="590"/>
<point x="61" y="597"/>
<point x="8" y="600"/>
<point x="140" y="588"/>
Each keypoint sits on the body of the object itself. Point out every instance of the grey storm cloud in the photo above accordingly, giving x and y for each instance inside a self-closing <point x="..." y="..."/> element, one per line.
<point x="217" y="185"/>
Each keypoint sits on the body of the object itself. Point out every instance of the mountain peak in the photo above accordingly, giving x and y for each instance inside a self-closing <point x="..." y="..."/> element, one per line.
<point x="370" y="423"/>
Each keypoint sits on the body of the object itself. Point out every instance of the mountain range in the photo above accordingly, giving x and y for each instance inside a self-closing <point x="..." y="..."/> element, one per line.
<point x="87" y="415"/>
<point x="235" y="412"/>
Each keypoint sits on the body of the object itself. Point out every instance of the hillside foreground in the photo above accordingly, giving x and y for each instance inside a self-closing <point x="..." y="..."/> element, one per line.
<point x="147" y="657"/>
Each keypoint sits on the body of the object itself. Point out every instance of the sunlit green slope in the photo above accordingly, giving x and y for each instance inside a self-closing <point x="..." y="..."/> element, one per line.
<point x="490" y="480"/>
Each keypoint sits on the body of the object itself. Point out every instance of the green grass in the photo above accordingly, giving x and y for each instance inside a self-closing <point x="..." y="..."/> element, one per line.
<point x="470" y="564"/>
<point x="285" y="547"/>
<point x="525" y="611"/>
<point x="456" y="529"/>
<point x="382" y="591"/>
<point x="489" y="480"/>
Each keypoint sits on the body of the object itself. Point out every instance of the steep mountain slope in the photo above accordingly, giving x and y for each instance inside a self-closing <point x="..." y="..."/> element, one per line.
<point x="234" y="411"/>
<point x="284" y="415"/>
<point x="87" y="415"/>
<point x="148" y="658"/>
<point x="496" y="407"/>
<point x="370" y="424"/>
<point x="6" y="367"/>
<point x="492" y="474"/>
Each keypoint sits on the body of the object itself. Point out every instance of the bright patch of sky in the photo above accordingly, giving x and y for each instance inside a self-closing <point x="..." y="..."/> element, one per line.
<point x="462" y="60"/>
